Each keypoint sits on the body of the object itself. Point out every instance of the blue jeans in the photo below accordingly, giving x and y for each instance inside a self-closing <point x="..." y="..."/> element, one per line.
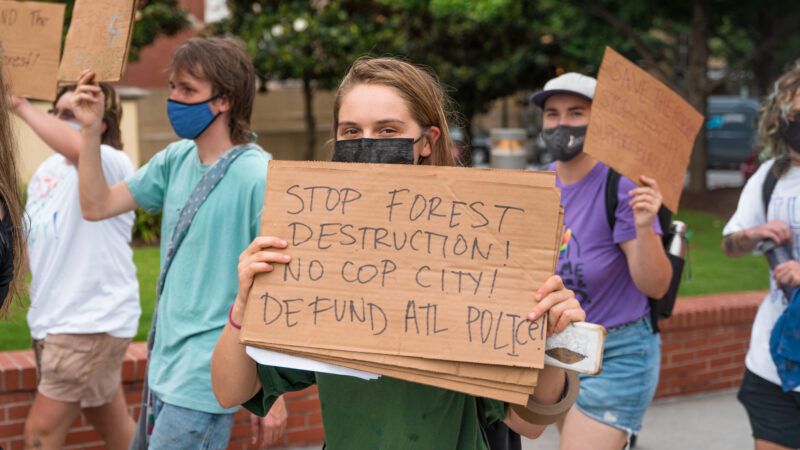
<point x="621" y="393"/>
<point x="179" y="428"/>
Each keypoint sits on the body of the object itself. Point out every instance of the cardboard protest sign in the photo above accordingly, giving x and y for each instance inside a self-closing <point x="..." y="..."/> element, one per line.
<point x="639" y="126"/>
<point x="99" y="38"/>
<point x="435" y="263"/>
<point x="30" y="45"/>
<point x="487" y="372"/>
<point x="493" y="391"/>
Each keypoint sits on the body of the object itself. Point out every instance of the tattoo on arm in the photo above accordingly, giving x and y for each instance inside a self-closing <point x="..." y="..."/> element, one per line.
<point x="729" y="244"/>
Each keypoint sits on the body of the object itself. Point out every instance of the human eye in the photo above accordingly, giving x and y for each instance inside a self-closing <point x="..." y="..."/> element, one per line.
<point x="388" y="131"/>
<point x="349" y="132"/>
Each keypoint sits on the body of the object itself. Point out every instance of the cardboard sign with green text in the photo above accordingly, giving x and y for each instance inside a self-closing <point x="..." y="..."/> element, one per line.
<point x="99" y="38"/>
<point x="639" y="126"/>
<point x="429" y="262"/>
<point x="30" y="45"/>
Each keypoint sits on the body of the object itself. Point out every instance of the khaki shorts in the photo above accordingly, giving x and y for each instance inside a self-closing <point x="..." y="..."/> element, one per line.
<point x="80" y="368"/>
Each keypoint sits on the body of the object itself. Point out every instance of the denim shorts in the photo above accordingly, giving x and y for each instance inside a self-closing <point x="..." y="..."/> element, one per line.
<point x="179" y="428"/>
<point x="621" y="393"/>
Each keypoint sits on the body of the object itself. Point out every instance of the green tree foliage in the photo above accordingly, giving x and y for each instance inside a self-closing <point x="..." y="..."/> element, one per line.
<point x="155" y="18"/>
<point x="482" y="50"/>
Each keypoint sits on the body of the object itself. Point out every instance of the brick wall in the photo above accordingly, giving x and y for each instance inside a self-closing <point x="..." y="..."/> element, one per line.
<point x="18" y="385"/>
<point x="704" y="344"/>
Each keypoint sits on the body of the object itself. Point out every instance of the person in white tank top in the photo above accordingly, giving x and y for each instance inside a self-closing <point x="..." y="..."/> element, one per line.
<point x="84" y="293"/>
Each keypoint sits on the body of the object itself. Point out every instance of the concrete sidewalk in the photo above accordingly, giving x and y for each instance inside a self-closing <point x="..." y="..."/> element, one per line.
<point x="705" y="422"/>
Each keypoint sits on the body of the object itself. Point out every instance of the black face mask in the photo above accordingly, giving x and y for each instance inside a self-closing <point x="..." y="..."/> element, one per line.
<point x="381" y="151"/>
<point x="564" y="142"/>
<point x="790" y="132"/>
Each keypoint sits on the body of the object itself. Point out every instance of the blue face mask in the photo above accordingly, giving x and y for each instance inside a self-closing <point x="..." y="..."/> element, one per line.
<point x="190" y="120"/>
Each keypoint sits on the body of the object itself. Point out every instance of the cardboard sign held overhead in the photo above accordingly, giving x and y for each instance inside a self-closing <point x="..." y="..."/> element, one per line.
<point x="429" y="262"/>
<point x="99" y="38"/>
<point x="30" y="44"/>
<point x="639" y="126"/>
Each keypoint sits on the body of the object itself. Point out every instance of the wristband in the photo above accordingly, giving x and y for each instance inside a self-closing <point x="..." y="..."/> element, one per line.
<point x="547" y="414"/>
<point x="230" y="319"/>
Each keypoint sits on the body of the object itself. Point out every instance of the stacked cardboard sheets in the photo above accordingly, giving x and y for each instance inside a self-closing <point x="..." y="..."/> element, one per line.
<point x="418" y="273"/>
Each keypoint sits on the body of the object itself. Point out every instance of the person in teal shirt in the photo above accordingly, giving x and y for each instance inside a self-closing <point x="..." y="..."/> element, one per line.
<point x="212" y="84"/>
<point x="383" y="99"/>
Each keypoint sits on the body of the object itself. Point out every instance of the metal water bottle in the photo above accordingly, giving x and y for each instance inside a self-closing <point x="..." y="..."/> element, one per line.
<point x="676" y="253"/>
<point x="677" y="246"/>
<point x="776" y="255"/>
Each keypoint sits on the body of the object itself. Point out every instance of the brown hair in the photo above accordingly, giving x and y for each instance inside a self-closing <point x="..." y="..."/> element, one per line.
<point x="426" y="100"/>
<point x="774" y="113"/>
<point x="11" y="198"/>
<point x="224" y="63"/>
<point x="112" y="115"/>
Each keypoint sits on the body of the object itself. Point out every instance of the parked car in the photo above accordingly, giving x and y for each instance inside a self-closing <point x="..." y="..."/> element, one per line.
<point x="731" y="128"/>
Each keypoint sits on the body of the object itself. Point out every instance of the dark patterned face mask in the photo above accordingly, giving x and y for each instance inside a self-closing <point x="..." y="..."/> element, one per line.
<point x="564" y="142"/>
<point x="381" y="151"/>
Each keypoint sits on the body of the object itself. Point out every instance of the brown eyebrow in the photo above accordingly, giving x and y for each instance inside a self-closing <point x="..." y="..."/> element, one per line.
<point x="380" y="122"/>
<point x="570" y="109"/>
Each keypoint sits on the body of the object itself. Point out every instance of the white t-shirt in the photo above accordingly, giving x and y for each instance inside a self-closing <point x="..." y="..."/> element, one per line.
<point x="783" y="206"/>
<point x="83" y="276"/>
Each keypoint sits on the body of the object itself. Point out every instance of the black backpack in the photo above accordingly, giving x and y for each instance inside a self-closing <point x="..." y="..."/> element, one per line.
<point x="659" y="308"/>
<point x="766" y="190"/>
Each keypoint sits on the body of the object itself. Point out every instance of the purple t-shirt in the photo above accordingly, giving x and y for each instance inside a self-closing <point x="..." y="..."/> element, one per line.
<point x="591" y="263"/>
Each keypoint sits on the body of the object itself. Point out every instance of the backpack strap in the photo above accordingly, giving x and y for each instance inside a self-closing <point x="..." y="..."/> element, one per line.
<point x="767" y="188"/>
<point x="664" y="215"/>
<point x="612" y="200"/>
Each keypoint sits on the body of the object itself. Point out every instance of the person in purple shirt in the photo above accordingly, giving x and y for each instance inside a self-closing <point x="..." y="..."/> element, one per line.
<point x="612" y="272"/>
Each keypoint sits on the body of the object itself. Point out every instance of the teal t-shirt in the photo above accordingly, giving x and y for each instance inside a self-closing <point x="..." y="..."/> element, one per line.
<point x="202" y="281"/>
<point x="385" y="413"/>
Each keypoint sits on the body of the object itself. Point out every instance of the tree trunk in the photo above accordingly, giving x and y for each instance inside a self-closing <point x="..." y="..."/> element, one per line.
<point x="311" y="121"/>
<point x="504" y="112"/>
<point x="697" y="89"/>
<point x="765" y="70"/>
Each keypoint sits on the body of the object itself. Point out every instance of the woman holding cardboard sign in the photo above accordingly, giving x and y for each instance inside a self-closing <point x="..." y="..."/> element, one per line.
<point x="386" y="111"/>
<point x="612" y="267"/>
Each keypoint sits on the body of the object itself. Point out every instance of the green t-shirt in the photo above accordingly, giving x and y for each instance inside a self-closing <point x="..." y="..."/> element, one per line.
<point x="202" y="281"/>
<point x="385" y="413"/>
